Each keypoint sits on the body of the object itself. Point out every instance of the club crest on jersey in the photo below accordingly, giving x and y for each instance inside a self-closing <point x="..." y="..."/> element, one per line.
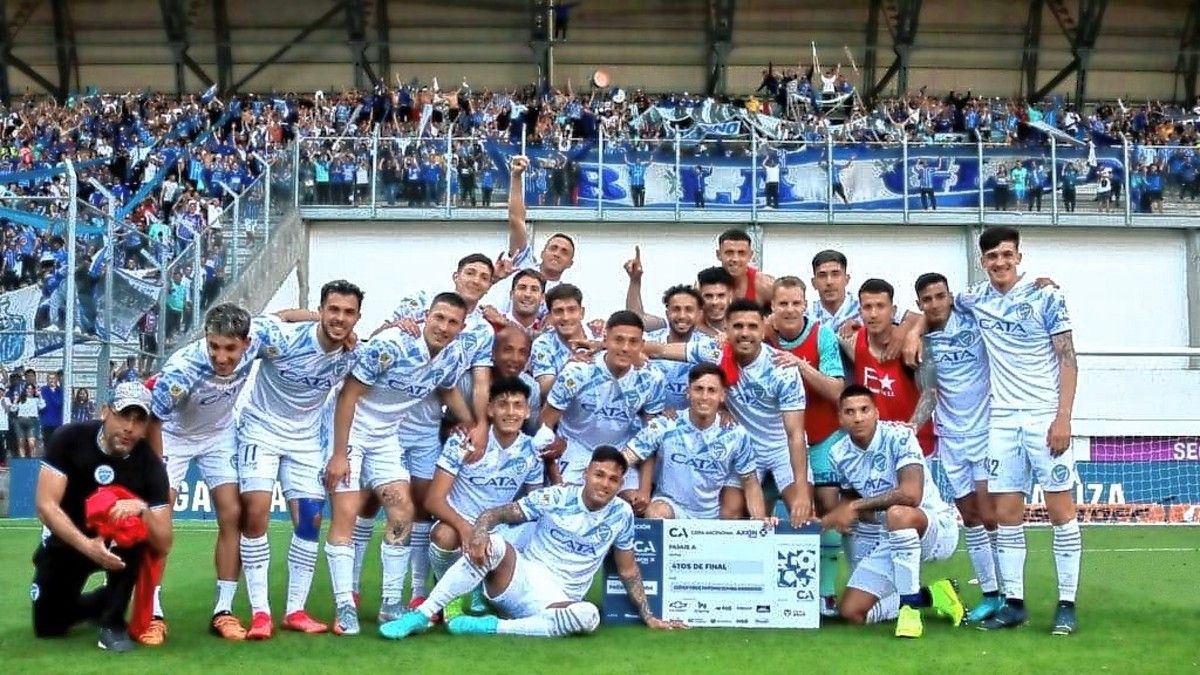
<point x="1021" y="311"/>
<point x="878" y="461"/>
<point x="272" y="351"/>
<point x="602" y="532"/>
<point x="104" y="474"/>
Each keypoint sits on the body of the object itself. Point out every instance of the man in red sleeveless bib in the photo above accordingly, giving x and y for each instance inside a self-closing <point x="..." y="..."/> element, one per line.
<point x="893" y="383"/>
<point x="735" y="251"/>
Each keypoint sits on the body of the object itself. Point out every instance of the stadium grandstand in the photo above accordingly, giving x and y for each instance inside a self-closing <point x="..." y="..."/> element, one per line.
<point x="161" y="159"/>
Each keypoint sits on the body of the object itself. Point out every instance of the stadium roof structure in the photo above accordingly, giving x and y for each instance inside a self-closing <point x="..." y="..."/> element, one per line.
<point x="1032" y="48"/>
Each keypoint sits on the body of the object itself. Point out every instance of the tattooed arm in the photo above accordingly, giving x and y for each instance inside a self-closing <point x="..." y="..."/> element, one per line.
<point x="910" y="484"/>
<point x="927" y="382"/>
<point x="631" y="576"/>
<point x="1059" y="435"/>
<point x="478" y="548"/>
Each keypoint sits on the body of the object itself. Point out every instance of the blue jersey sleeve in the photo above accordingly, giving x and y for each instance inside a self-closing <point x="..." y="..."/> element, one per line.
<point x="788" y="389"/>
<point x="648" y="440"/>
<point x="1054" y="311"/>
<point x="374" y="360"/>
<point x="171" y="390"/>
<point x="624" y="540"/>
<point x="566" y="386"/>
<point x="829" y="353"/>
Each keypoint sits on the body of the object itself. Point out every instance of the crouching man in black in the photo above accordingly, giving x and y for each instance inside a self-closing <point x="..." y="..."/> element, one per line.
<point x="108" y="458"/>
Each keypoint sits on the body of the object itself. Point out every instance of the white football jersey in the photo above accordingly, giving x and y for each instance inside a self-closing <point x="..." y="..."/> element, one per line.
<point x="495" y="479"/>
<point x="695" y="463"/>
<point x="569" y="539"/>
<point x="599" y="409"/>
<point x="961" y="365"/>
<point x="400" y="373"/>
<point x="873" y="470"/>
<point x="294" y="378"/>
<point x="1018" y="327"/>
<point x="193" y="402"/>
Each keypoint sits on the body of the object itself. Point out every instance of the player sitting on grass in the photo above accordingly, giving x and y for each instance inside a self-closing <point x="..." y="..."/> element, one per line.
<point x="460" y="491"/>
<point x="884" y="477"/>
<point x="697" y="455"/>
<point x="540" y="589"/>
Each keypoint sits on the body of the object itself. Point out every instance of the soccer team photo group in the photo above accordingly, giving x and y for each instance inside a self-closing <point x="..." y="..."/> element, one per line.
<point x="547" y="343"/>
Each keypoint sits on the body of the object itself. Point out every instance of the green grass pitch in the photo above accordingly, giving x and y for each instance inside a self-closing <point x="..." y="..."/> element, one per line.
<point x="1139" y="612"/>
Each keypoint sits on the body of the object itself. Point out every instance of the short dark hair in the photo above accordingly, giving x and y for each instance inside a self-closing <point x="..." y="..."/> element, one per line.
<point x="829" y="256"/>
<point x="877" y="286"/>
<point x="563" y="292"/>
<point x="607" y="453"/>
<point x="744" y="305"/>
<point x="929" y="279"/>
<point x="227" y="320"/>
<point x="994" y="236"/>
<point x="701" y="369"/>
<point x="734" y="235"/>
<point x="341" y="287"/>
<point x="715" y="275"/>
<point x="624" y="317"/>
<point x="529" y="272"/>
<point x="853" y="390"/>
<point x="560" y="235"/>
<point x="507" y="385"/>
<point x="476" y="258"/>
<point x="686" y="290"/>
<point x="449" y="298"/>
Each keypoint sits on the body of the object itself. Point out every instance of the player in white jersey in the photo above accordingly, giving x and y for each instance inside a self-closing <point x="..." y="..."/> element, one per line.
<point x="526" y="301"/>
<point x="683" y="305"/>
<point x="540" y="589"/>
<point x="553" y="348"/>
<point x="510" y="357"/>
<point x="884" y="478"/>
<point x="193" y="398"/>
<point x="765" y="398"/>
<point x="604" y="401"/>
<point x="393" y="373"/>
<point x="1027" y="332"/>
<point x="461" y="490"/>
<point x="696" y="455"/>
<point x="834" y="307"/>
<point x="559" y="252"/>
<point x="419" y="428"/>
<point x="954" y="382"/>
<point x="841" y="311"/>
<point x="715" y="287"/>
<point x="279" y="437"/>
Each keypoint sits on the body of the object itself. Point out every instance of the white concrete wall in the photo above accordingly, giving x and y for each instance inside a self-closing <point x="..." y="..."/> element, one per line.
<point x="1125" y="287"/>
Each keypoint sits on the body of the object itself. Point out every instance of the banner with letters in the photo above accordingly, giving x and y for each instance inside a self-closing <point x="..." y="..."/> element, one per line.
<point x="18" y="311"/>
<point x="873" y="176"/>
<point x="194" y="501"/>
<point x="722" y="573"/>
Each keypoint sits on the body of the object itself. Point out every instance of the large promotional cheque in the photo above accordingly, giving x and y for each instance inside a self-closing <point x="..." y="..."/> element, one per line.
<point x="724" y="573"/>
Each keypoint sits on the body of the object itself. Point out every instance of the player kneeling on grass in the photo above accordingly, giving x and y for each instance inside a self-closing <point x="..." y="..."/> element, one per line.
<point x="698" y="455"/>
<point x="883" y="476"/>
<point x="540" y="589"/>
<point x="462" y="490"/>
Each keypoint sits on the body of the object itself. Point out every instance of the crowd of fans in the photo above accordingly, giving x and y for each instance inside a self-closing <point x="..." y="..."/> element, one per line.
<point x="169" y="165"/>
<point x="412" y="162"/>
